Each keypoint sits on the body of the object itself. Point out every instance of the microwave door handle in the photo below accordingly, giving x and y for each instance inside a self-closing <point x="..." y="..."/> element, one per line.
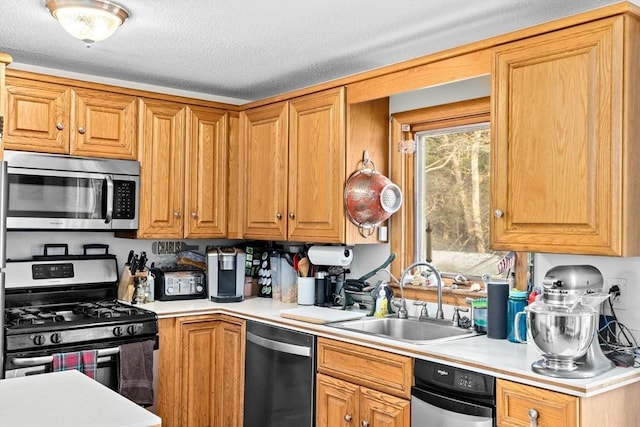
<point x="109" y="215"/>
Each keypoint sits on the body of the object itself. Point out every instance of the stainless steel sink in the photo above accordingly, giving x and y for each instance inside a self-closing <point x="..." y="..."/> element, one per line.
<point x="409" y="330"/>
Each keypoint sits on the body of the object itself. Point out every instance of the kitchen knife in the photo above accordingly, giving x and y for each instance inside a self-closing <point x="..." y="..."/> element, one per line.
<point x="133" y="266"/>
<point x="130" y="257"/>
<point x="142" y="261"/>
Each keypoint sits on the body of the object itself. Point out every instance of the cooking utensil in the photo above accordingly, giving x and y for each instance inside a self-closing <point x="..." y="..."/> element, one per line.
<point x="373" y="272"/>
<point x="370" y="197"/>
<point x="303" y="267"/>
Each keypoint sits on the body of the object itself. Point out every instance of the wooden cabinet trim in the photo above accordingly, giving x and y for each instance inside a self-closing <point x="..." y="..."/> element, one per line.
<point x="376" y="369"/>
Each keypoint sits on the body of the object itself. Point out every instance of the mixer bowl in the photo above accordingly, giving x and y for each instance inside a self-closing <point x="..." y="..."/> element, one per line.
<point x="561" y="336"/>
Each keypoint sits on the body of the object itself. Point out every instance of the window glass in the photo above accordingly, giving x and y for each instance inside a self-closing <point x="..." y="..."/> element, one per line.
<point x="452" y="200"/>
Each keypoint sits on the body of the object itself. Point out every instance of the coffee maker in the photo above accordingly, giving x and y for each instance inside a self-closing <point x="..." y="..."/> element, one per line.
<point x="563" y="324"/>
<point x="225" y="274"/>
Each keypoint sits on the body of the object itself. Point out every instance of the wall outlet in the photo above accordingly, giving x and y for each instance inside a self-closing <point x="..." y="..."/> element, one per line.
<point x="621" y="301"/>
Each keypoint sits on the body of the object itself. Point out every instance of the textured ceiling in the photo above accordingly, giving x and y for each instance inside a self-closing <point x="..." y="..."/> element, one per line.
<point x="252" y="49"/>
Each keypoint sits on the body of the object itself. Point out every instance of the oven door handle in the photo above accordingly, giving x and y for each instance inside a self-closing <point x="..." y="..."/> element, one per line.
<point x="43" y="360"/>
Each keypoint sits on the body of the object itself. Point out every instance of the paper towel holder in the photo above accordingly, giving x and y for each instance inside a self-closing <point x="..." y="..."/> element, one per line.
<point x="340" y="256"/>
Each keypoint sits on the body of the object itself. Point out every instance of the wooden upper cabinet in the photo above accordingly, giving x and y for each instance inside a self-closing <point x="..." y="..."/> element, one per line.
<point x="294" y="155"/>
<point x="264" y="142"/>
<point x="52" y="118"/>
<point x="37" y="116"/>
<point x="162" y="175"/>
<point x="560" y="182"/>
<point x="317" y="167"/>
<point x="105" y="124"/>
<point x="206" y="173"/>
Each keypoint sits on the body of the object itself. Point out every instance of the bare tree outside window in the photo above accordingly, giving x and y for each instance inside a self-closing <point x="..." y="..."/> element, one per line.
<point x="452" y="182"/>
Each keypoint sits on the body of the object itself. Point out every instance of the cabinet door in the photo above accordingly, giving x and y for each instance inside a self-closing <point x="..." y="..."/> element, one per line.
<point x="514" y="401"/>
<point x="230" y="378"/>
<point x="317" y="167"/>
<point x="199" y="390"/>
<point x="337" y="402"/>
<point x="557" y="154"/>
<point x="265" y="144"/>
<point x="37" y="116"/>
<point x="161" y="169"/>
<point x="104" y="124"/>
<point x="383" y="410"/>
<point x="206" y="173"/>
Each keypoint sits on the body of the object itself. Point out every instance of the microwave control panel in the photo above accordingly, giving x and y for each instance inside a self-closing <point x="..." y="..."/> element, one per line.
<point x="124" y="196"/>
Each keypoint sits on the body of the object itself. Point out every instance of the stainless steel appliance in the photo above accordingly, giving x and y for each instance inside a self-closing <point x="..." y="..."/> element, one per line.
<point x="225" y="274"/>
<point x="446" y="396"/>
<point x="279" y="388"/>
<point x="49" y="191"/>
<point x="61" y="304"/>
<point x="179" y="283"/>
<point x="3" y="245"/>
<point x="562" y="325"/>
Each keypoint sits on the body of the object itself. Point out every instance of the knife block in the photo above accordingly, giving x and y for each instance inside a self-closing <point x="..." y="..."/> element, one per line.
<point x="128" y="283"/>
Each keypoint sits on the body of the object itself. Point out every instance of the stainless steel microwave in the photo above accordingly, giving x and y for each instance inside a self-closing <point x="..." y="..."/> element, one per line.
<point x="53" y="192"/>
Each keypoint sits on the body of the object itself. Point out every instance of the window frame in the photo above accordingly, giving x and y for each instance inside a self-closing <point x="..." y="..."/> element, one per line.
<point x="461" y="113"/>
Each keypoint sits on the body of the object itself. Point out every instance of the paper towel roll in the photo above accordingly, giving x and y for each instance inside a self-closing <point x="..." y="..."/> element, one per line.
<point x="331" y="255"/>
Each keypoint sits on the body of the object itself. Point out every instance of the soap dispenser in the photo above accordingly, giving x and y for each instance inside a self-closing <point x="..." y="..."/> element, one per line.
<point x="382" y="308"/>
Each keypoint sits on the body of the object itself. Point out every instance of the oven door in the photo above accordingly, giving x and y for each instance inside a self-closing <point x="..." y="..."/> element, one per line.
<point x="21" y="365"/>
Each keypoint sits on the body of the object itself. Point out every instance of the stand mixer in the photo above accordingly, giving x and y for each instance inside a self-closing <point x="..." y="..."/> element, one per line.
<point x="563" y="323"/>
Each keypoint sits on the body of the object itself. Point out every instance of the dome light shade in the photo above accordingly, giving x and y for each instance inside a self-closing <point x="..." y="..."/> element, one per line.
<point x="88" y="20"/>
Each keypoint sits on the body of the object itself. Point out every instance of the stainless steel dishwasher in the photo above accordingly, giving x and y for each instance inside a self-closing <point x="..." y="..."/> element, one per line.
<point x="279" y="388"/>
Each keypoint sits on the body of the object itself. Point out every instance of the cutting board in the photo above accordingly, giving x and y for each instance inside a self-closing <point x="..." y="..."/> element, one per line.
<point x="320" y="315"/>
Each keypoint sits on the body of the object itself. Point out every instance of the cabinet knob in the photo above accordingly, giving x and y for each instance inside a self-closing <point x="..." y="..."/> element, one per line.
<point x="81" y="130"/>
<point x="292" y="215"/>
<point x="348" y="418"/>
<point x="194" y="215"/>
<point x="176" y="214"/>
<point x="59" y="126"/>
<point x="279" y="215"/>
<point x="498" y="213"/>
<point x="365" y="423"/>
<point x="533" y="417"/>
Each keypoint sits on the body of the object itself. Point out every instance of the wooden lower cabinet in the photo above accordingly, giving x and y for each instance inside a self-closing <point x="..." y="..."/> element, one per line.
<point x="520" y="405"/>
<point x="362" y="387"/>
<point x="201" y="371"/>
<point x="340" y="403"/>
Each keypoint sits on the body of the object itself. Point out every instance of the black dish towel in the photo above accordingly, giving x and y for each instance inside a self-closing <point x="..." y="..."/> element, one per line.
<point x="136" y="372"/>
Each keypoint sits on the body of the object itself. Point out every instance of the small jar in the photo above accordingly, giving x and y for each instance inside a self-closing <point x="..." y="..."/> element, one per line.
<point x="516" y="303"/>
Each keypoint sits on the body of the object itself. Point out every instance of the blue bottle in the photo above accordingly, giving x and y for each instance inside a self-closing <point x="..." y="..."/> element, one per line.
<point x="516" y="303"/>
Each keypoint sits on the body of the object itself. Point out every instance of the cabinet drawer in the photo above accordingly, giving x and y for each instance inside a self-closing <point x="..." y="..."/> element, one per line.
<point x="379" y="370"/>
<point x="515" y="400"/>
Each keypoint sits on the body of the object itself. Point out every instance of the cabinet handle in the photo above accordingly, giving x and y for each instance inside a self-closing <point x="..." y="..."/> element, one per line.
<point x="279" y="215"/>
<point x="348" y="418"/>
<point x="365" y="424"/>
<point x="81" y="130"/>
<point x="292" y="215"/>
<point x="59" y="125"/>
<point x="194" y="215"/>
<point x="176" y="214"/>
<point x="533" y="417"/>
<point x="498" y="213"/>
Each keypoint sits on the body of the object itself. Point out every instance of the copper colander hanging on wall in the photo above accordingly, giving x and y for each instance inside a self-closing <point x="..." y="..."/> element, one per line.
<point x="370" y="198"/>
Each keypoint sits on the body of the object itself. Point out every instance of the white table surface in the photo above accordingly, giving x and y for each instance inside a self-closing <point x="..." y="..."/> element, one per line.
<point x="67" y="399"/>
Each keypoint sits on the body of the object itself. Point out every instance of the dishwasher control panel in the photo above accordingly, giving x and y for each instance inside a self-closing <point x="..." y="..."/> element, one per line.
<point x="436" y="375"/>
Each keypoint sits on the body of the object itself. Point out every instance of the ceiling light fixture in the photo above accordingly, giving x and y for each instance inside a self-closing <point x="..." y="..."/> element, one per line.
<point x="88" y="20"/>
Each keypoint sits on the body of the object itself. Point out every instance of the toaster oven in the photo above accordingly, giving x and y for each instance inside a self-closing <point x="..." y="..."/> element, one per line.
<point x="179" y="283"/>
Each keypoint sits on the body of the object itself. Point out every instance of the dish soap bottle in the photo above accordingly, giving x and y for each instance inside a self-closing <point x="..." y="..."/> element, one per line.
<point x="381" y="303"/>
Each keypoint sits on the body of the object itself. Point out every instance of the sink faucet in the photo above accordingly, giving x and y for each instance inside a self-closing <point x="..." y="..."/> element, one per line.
<point x="402" y="311"/>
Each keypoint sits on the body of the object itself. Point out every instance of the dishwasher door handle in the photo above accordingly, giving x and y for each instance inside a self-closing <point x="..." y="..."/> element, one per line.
<point x="279" y="346"/>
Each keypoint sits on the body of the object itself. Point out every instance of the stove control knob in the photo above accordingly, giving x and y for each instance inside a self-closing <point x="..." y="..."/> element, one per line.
<point x="131" y="329"/>
<point x="56" y="338"/>
<point x="38" y="339"/>
<point x="117" y="331"/>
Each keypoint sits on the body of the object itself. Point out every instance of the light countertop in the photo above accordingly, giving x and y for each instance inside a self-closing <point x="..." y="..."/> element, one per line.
<point x="500" y="358"/>
<point x="67" y="399"/>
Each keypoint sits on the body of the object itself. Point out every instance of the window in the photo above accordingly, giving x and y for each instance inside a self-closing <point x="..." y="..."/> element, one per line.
<point x="451" y="181"/>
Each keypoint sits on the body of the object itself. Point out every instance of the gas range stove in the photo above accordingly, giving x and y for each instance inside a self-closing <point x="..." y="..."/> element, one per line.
<point x="53" y="303"/>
